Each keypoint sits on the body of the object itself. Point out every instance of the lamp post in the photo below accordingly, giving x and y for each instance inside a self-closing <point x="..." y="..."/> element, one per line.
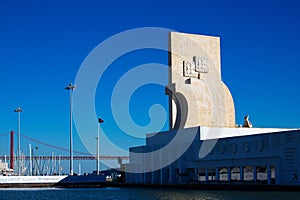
<point x="97" y="154"/>
<point x="19" y="110"/>
<point x="37" y="167"/>
<point x="71" y="88"/>
<point x="98" y="143"/>
<point x="30" y="160"/>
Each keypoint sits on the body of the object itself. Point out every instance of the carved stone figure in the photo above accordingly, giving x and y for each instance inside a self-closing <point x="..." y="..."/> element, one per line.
<point x="247" y="123"/>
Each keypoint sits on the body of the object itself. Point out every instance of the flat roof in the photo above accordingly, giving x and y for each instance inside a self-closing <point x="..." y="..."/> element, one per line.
<point x="207" y="133"/>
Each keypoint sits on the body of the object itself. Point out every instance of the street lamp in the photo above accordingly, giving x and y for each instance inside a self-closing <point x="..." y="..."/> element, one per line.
<point x="71" y="88"/>
<point x="98" y="143"/>
<point x="97" y="154"/>
<point x="19" y="110"/>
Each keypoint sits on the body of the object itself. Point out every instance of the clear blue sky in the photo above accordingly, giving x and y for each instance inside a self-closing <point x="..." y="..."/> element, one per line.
<point x="43" y="44"/>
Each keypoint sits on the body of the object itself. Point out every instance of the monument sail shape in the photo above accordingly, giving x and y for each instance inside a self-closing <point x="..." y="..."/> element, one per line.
<point x="195" y="72"/>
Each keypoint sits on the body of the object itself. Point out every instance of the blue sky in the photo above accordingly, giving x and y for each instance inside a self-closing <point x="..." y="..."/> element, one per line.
<point x="43" y="44"/>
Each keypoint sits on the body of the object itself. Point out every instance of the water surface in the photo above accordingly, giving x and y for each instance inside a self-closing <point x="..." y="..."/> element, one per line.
<point x="137" y="193"/>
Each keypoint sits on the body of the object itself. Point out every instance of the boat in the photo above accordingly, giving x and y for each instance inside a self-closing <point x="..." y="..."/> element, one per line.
<point x="9" y="179"/>
<point x="30" y="181"/>
<point x="4" y="170"/>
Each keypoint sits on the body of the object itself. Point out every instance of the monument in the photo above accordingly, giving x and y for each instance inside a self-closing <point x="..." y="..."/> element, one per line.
<point x="195" y="72"/>
<point x="203" y="143"/>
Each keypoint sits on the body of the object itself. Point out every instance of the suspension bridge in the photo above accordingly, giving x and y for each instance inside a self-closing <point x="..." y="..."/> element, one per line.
<point x="82" y="155"/>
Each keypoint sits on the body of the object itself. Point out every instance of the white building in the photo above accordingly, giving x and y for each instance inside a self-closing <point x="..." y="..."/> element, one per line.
<point x="269" y="156"/>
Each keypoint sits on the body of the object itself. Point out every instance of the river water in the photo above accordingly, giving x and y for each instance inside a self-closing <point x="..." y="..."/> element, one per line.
<point x="137" y="193"/>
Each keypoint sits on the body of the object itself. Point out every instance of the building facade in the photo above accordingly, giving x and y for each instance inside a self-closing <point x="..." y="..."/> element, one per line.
<point x="267" y="156"/>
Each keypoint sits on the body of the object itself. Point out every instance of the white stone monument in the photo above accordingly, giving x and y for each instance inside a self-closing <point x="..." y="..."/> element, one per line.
<point x="195" y="73"/>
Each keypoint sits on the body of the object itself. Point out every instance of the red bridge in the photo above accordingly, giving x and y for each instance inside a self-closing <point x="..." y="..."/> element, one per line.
<point x="85" y="155"/>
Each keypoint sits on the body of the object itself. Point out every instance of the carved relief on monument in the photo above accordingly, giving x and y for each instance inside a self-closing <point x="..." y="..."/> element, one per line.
<point x="189" y="70"/>
<point x="199" y="64"/>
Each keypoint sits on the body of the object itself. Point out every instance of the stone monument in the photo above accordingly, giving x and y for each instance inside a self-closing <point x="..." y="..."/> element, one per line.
<point x="195" y="73"/>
